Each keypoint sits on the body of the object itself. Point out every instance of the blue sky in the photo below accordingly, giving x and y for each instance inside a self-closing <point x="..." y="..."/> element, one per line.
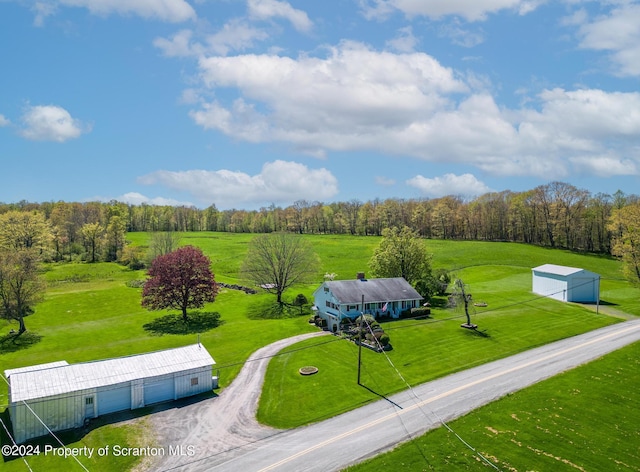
<point x="246" y="103"/>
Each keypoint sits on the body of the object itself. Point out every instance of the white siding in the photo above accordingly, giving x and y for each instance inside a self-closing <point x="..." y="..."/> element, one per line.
<point x="567" y="284"/>
<point x="58" y="413"/>
<point x="113" y="398"/>
<point x="193" y="382"/>
<point x="137" y="394"/>
<point x="550" y="285"/>
<point x="328" y="307"/>
<point x="56" y="392"/>
<point x="584" y="289"/>
<point x="158" y="389"/>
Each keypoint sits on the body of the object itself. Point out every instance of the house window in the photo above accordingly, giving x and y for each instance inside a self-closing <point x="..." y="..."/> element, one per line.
<point x="88" y="401"/>
<point x="326" y="289"/>
<point x="194" y="381"/>
<point x="328" y="303"/>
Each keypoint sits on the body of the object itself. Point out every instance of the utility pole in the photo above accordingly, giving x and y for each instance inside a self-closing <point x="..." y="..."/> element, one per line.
<point x="360" y="339"/>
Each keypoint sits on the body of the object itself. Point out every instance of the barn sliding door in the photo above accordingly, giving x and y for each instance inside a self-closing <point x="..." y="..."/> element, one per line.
<point x="158" y="390"/>
<point x="114" y="398"/>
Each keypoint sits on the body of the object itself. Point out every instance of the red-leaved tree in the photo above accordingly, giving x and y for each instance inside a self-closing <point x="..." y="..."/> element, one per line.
<point x="181" y="279"/>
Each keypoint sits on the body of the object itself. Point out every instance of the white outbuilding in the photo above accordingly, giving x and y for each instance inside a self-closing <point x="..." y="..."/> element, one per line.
<point x="567" y="284"/>
<point x="59" y="396"/>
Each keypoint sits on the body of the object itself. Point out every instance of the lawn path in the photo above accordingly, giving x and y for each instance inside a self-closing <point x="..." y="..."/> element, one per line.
<point x="609" y="310"/>
<point x="223" y="423"/>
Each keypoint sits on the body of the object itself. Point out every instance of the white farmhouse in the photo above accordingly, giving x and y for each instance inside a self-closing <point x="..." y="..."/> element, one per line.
<point x="60" y="396"/>
<point x="335" y="300"/>
<point x="567" y="284"/>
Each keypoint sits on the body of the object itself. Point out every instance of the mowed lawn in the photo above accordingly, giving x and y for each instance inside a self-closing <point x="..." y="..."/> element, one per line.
<point x="91" y="313"/>
<point x="513" y="321"/>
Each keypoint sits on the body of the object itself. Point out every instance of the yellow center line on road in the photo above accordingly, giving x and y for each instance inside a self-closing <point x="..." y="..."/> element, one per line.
<point x="396" y="414"/>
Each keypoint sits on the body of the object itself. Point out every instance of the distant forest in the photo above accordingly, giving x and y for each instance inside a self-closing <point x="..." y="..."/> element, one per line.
<point x="556" y="215"/>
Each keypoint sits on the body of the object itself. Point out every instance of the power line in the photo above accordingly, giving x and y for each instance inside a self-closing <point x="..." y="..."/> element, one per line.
<point x="289" y="351"/>
<point x="14" y="443"/>
<point x="418" y="404"/>
<point x="47" y="428"/>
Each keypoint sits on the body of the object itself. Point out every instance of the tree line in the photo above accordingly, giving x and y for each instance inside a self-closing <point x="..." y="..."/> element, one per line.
<point x="557" y="215"/>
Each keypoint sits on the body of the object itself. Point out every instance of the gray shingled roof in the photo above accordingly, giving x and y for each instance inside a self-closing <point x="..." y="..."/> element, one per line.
<point x="374" y="290"/>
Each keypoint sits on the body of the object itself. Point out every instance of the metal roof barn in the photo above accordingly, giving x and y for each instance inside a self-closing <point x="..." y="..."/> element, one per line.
<point x="567" y="284"/>
<point x="59" y="396"/>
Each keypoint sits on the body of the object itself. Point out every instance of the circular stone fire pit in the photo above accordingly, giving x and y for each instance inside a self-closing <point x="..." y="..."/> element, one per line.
<point x="308" y="370"/>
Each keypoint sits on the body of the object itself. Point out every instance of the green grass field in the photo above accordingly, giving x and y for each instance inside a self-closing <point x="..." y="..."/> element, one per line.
<point x="584" y="419"/>
<point x="91" y="313"/>
<point x="513" y="321"/>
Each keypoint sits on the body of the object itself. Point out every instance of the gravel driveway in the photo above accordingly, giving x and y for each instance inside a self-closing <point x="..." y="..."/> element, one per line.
<point x="222" y="423"/>
<point x="225" y="436"/>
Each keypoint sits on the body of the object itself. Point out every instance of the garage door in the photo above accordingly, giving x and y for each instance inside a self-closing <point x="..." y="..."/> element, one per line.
<point x="114" y="398"/>
<point x="158" y="390"/>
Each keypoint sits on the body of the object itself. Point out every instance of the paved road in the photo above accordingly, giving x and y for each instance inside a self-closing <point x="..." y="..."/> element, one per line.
<point x="349" y="438"/>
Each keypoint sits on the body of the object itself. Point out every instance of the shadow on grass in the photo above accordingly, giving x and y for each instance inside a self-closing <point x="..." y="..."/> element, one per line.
<point x="477" y="333"/>
<point x="439" y="302"/>
<point x="272" y="310"/>
<point x="74" y="435"/>
<point x="603" y="302"/>
<point x="13" y="342"/>
<point x="198" y="322"/>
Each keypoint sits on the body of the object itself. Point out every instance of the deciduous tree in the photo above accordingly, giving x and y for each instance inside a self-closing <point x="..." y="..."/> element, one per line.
<point x="92" y="237"/>
<point x="115" y="237"/>
<point x="162" y="243"/>
<point x="24" y="230"/>
<point x="179" y="280"/>
<point x="461" y="298"/>
<point x="625" y="225"/>
<point x="278" y="261"/>
<point x="21" y="285"/>
<point x="401" y="253"/>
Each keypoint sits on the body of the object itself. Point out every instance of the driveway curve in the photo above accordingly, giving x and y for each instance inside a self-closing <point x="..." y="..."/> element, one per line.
<point x="223" y="423"/>
<point x="225" y="443"/>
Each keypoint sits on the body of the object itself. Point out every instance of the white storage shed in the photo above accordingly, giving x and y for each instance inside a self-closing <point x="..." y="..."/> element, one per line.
<point x="62" y="396"/>
<point x="567" y="284"/>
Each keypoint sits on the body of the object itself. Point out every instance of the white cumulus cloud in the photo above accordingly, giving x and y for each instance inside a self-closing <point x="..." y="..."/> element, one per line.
<point x="605" y="165"/>
<point x="618" y="33"/>
<point x="267" y="9"/>
<point x="4" y="121"/>
<point x="360" y="99"/>
<point x="338" y="102"/>
<point x="135" y="198"/>
<point x="278" y="182"/>
<point x="471" y="10"/>
<point x="405" y="41"/>
<point x="235" y="35"/>
<point x="50" y="123"/>
<point x="449" y="184"/>
<point x="173" y="11"/>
